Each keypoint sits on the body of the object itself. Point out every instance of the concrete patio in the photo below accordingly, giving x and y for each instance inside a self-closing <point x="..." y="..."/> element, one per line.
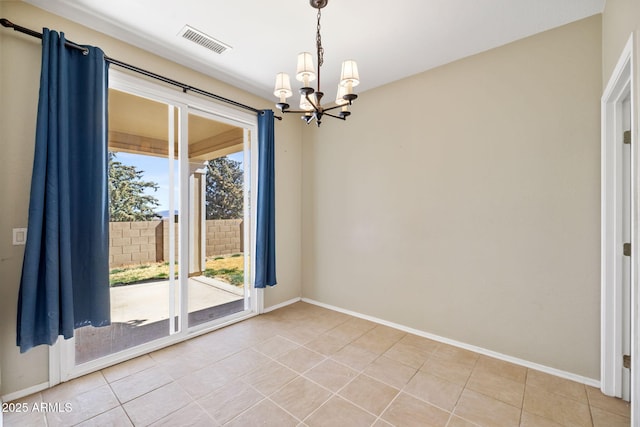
<point x="140" y="313"/>
<point x="149" y="302"/>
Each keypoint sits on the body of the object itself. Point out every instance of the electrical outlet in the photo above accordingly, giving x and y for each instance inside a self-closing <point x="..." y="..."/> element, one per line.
<point x="19" y="236"/>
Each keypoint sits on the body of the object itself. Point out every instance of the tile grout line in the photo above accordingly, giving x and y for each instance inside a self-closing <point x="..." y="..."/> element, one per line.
<point x="204" y="410"/>
<point x="358" y="373"/>
<point x="298" y="375"/>
<point x="571" y="398"/>
<point x="172" y="412"/>
<point x="389" y="405"/>
<point x="589" y="405"/>
<point x="466" y="383"/>
<point x="333" y="393"/>
<point x="524" y="393"/>
<point x="355" y="404"/>
<point x="294" y="417"/>
<point x="264" y="397"/>
<point x="400" y="391"/>
<point x="117" y="398"/>
<point x="103" y="412"/>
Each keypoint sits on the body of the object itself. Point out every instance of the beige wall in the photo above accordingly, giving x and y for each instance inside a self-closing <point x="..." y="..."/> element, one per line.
<point x="20" y="70"/>
<point x="619" y="20"/>
<point x="464" y="201"/>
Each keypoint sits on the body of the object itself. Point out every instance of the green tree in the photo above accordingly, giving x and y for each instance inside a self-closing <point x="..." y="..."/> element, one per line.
<point x="127" y="200"/>
<point x="224" y="189"/>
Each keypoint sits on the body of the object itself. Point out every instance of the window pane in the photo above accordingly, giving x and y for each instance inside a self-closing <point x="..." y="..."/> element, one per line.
<point x="216" y="275"/>
<point x="143" y="231"/>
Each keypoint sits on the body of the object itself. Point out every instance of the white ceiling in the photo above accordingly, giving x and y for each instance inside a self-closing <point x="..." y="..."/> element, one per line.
<point x="389" y="40"/>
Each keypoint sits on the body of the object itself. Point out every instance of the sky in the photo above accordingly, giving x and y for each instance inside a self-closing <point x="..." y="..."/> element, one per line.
<point x="156" y="169"/>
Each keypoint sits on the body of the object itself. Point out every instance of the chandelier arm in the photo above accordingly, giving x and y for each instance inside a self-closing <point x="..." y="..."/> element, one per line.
<point x="315" y="107"/>
<point x="334" y="116"/>
<point x="297" y="111"/>
<point x="334" y="107"/>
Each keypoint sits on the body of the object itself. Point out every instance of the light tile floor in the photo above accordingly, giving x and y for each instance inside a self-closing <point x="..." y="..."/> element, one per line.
<point x="303" y="365"/>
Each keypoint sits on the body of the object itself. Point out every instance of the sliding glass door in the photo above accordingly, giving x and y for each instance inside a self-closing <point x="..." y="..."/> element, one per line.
<point x="219" y="182"/>
<point x="181" y="226"/>
<point x="144" y="228"/>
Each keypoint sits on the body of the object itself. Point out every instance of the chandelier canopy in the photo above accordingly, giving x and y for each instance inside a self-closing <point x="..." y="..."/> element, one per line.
<point x="311" y="100"/>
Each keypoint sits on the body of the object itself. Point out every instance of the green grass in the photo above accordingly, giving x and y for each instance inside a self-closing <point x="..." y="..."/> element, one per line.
<point x="123" y="276"/>
<point x="228" y="269"/>
<point x="229" y="275"/>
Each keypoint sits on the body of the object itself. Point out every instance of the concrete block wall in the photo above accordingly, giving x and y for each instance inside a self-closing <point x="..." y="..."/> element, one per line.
<point x="225" y="236"/>
<point x="148" y="241"/>
<point x="135" y="242"/>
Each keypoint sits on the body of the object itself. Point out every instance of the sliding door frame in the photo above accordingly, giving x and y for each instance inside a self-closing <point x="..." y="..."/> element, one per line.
<point x="62" y="365"/>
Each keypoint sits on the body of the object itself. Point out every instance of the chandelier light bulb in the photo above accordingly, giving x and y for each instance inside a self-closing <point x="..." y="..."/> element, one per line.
<point x="283" y="87"/>
<point x="305" y="71"/>
<point x="342" y="91"/>
<point x="305" y="104"/>
<point x="349" y="76"/>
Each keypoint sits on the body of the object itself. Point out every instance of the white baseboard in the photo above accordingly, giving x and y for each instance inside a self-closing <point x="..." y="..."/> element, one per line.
<point x="282" y="304"/>
<point x="25" y="392"/>
<point x="527" y="364"/>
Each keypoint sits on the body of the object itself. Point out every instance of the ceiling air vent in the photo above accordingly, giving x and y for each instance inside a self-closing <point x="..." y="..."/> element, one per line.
<point x="204" y="40"/>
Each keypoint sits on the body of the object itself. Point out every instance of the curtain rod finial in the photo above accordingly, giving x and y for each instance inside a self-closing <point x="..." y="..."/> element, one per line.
<point x="6" y="23"/>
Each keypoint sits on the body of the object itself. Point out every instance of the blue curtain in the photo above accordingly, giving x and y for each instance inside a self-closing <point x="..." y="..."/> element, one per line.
<point x="65" y="273"/>
<point x="266" y="216"/>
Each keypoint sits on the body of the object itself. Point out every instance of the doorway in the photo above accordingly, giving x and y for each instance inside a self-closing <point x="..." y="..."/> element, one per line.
<point x="619" y="235"/>
<point x="174" y="272"/>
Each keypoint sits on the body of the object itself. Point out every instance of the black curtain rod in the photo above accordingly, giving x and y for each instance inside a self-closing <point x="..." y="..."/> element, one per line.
<point x="184" y="87"/>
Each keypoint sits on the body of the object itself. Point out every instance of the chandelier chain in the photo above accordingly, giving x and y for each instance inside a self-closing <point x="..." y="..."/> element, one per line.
<point x="319" y="42"/>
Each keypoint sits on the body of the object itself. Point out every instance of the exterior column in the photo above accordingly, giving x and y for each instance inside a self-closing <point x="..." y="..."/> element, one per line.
<point x="197" y="219"/>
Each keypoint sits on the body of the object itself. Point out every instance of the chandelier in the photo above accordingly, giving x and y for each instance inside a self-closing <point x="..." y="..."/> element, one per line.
<point x="311" y="101"/>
